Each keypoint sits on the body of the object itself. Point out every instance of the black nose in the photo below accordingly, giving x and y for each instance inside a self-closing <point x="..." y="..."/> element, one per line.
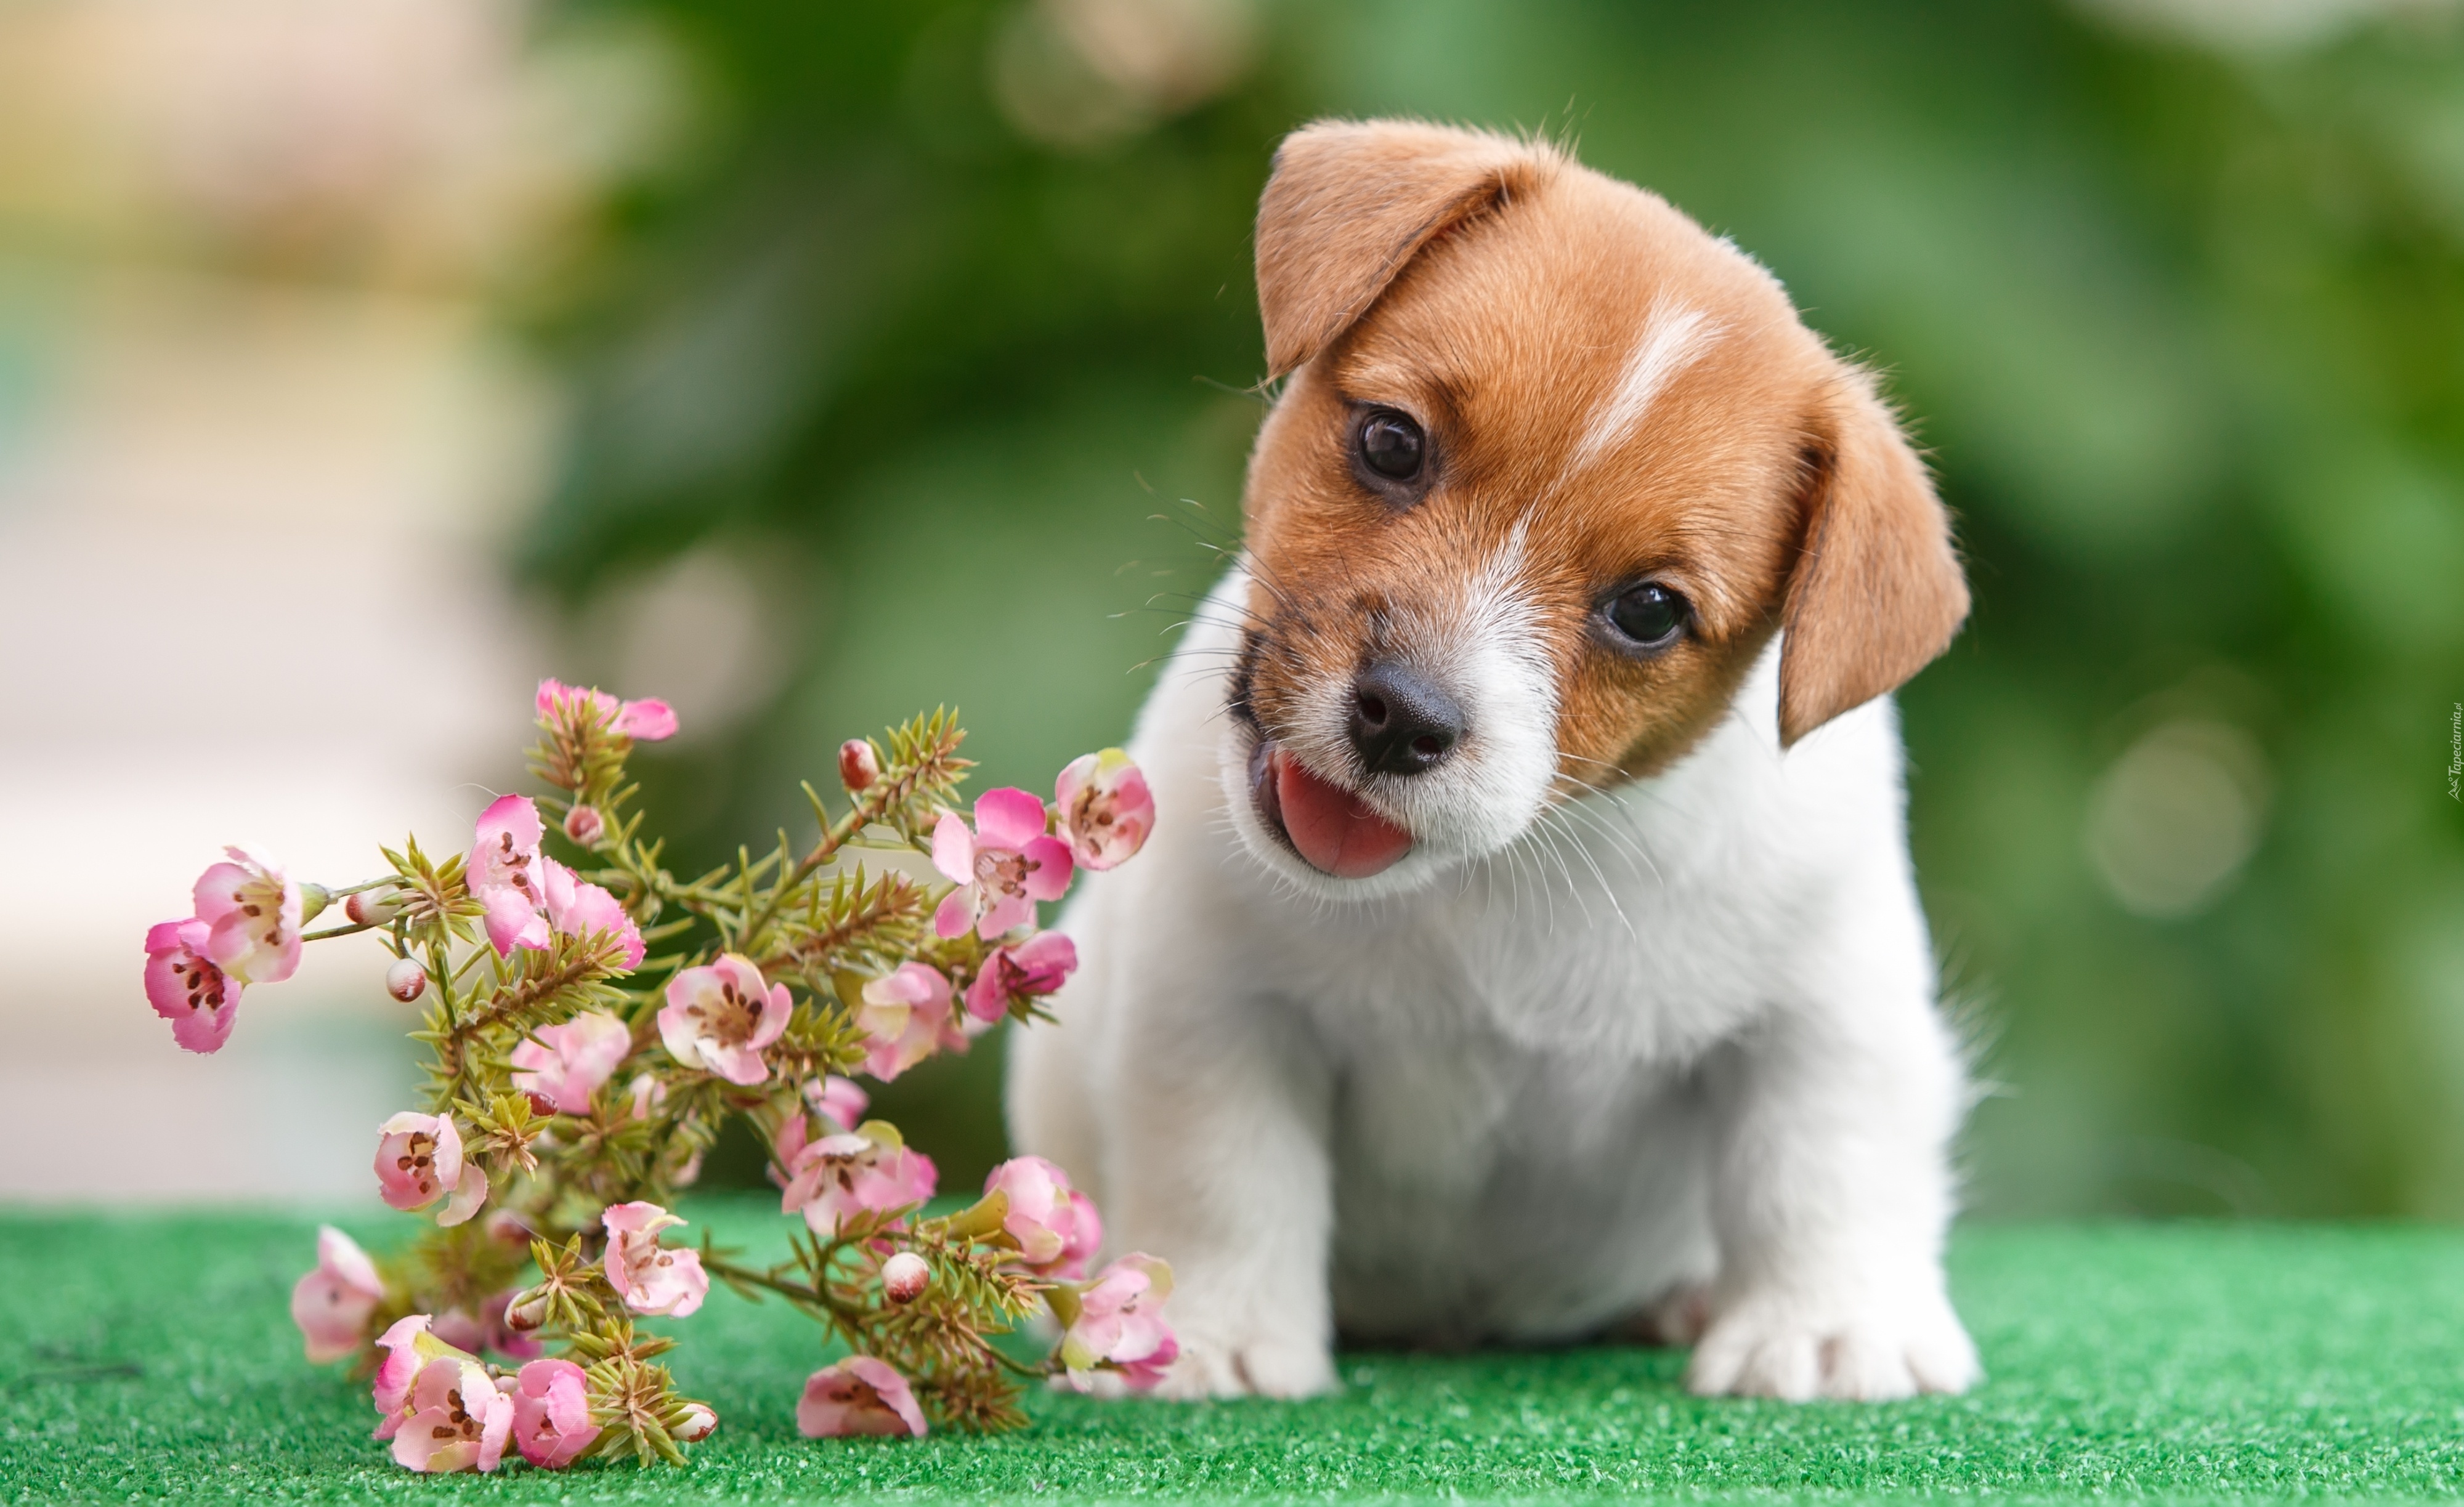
<point x="1402" y="722"/>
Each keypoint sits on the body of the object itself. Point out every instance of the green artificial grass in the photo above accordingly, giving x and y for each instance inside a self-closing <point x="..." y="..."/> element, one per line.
<point x="153" y="1356"/>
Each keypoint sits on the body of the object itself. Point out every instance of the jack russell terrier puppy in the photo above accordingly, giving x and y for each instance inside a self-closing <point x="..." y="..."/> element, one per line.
<point x="1528" y="945"/>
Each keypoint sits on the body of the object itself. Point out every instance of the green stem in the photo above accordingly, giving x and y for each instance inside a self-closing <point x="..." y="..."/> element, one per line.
<point x="450" y="1053"/>
<point x="847" y="1318"/>
<point x="886" y="793"/>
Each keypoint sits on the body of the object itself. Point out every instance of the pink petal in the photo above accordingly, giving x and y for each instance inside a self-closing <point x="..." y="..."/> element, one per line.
<point x="391" y="1389"/>
<point x="793" y="1133"/>
<point x="332" y="1315"/>
<point x="1049" y="867"/>
<point x="513" y="924"/>
<point x="986" y="998"/>
<point x="516" y="815"/>
<point x="955" y="913"/>
<point x="647" y="721"/>
<point x="579" y="908"/>
<point x="1008" y="818"/>
<point x="692" y="1282"/>
<point x="954" y="850"/>
<point x="1075" y="778"/>
<point x="677" y="1028"/>
<point x="840" y="1101"/>
<point x="639" y="1217"/>
<point x="469" y="1191"/>
<point x="859" y="1395"/>
<point x="742" y="1065"/>
<point x="216" y="892"/>
<point x="1047" y="959"/>
<point x="1007" y="913"/>
<point x="340" y="1254"/>
<point x="418" y="1447"/>
<point x="775" y="1007"/>
<point x="205" y="1031"/>
<point x="495" y="1431"/>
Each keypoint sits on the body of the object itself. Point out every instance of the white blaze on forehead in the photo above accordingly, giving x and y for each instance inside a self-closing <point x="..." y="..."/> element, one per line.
<point x="1672" y="339"/>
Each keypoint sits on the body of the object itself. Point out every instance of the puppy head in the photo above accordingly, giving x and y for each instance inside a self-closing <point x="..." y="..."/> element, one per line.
<point x="1552" y="466"/>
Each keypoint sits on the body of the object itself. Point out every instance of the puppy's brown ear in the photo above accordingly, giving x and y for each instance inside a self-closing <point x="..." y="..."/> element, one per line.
<point x="1350" y="203"/>
<point x="1877" y="591"/>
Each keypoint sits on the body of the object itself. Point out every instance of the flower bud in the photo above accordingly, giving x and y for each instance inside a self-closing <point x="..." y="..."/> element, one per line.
<point x="585" y="825"/>
<point x="528" y="1309"/>
<point x="698" y="1425"/>
<point x="405" y="980"/>
<point x="903" y="1277"/>
<point x="858" y="765"/>
<point x="373" y="907"/>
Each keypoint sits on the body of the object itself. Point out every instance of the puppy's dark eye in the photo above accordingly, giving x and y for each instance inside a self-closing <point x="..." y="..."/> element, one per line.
<point x="1650" y="616"/>
<point x="1391" y="444"/>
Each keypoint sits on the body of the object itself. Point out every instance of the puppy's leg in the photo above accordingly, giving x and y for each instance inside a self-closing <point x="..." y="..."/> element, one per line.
<point x="1832" y="1195"/>
<point x="1049" y="1092"/>
<point x="1217" y="1162"/>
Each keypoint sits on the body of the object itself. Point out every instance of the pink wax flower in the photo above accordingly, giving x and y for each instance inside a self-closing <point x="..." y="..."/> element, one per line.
<point x="331" y="1304"/>
<point x="441" y="1409"/>
<point x="906" y="1017"/>
<point x="253" y="915"/>
<point x="838" y="1101"/>
<point x="1001" y="868"/>
<point x="720" y="1016"/>
<point x="576" y="907"/>
<point x="699" y="1423"/>
<point x="552" y="1413"/>
<point x="185" y="987"/>
<point x="903" y="1277"/>
<point x="840" y="1105"/>
<point x="584" y="826"/>
<point x="565" y="1064"/>
<point x="458" y="1420"/>
<point x="1119" y="1323"/>
<point x="858" y="1395"/>
<point x="650" y="1277"/>
<point x="1027" y="970"/>
<point x="504" y="875"/>
<point x="1106" y="811"/>
<point x="1056" y="1226"/>
<point x="648" y="1094"/>
<point x="419" y="1159"/>
<point x="647" y="721"/>
<point x="868" y="1171"/>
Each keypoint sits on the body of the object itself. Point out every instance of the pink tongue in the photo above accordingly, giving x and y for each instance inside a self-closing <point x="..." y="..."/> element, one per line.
<point x="1331" y="828"/>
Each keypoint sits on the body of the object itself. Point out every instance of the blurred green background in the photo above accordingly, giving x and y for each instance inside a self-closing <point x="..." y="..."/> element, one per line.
<point x="919" y="340"/>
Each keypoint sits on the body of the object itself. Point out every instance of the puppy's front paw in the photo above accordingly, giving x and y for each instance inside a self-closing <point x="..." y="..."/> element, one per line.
<point x="1254" y="1365"/>
<point x="1774" y="1346"/>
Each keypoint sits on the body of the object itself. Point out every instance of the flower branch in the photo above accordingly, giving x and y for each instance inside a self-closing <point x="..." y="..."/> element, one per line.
<point x="575" y="1084"/>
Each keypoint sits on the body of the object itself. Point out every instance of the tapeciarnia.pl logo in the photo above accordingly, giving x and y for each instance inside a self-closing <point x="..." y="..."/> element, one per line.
<point x="2455" y="754"/>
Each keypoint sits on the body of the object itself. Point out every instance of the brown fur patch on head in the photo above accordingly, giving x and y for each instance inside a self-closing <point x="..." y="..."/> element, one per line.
<point x="1610" y="396"/>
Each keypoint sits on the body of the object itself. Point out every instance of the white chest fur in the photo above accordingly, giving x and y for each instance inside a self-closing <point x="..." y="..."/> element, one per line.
<point x="1518" y="1079"/>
